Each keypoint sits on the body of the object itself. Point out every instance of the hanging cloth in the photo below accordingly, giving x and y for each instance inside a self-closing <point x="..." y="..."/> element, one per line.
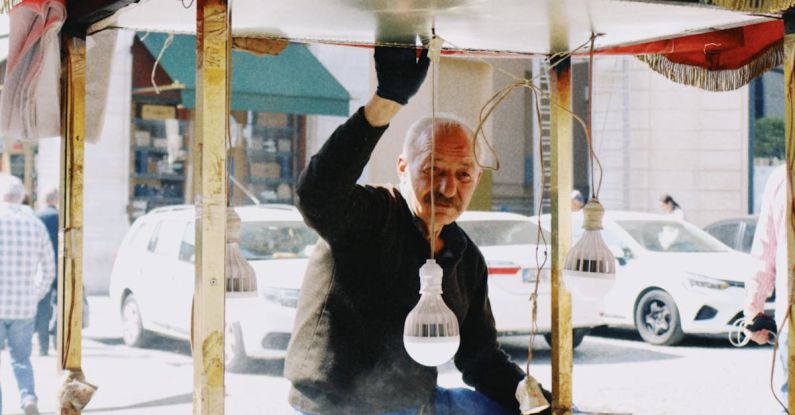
<point x="29" y="102"/>
<point x="715" y="61"/>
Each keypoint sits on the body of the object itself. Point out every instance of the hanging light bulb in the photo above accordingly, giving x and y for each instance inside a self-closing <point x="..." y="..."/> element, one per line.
<point x="590" y="261"/>
<point x="240" y="276"/>
<point x="431" y="335"/>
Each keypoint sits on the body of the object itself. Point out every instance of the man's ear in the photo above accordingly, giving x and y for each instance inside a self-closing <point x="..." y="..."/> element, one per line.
<point x="402" y="165"/>
<point x="480" y="174"/>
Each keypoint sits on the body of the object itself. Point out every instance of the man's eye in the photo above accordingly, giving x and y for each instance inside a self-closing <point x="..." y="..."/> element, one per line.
<point x="465" y="177"/>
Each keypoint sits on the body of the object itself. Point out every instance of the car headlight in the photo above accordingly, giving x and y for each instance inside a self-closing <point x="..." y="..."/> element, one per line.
<point x="700" y="281"/>
<point x="286" y="297"/>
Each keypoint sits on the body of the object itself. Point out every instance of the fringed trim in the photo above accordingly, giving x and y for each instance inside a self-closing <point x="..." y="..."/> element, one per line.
<point x="721" y="80"/>
<point x="7" y="5"/>
<point x="756" y="6"/>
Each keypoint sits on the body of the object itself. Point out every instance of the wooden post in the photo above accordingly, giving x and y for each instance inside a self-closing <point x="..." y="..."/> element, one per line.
<point x="560" y="193"/>
<point x="213" y="46"/>
<point x="561" y="133"/>
<point x="789" y="118"/>
<point x="70" y="225"/>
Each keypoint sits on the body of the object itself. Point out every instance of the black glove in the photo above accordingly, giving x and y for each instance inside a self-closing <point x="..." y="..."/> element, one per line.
<point x="400" y="73"/>
<point x="762" y="322"/>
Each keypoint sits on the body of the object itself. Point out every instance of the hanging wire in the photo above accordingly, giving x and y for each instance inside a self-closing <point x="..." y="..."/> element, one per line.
<point x="434" y="73"/>
<point x="166" y="44"/>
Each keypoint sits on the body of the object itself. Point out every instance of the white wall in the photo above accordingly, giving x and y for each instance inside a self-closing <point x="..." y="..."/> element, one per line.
<point x="655" y="136"/>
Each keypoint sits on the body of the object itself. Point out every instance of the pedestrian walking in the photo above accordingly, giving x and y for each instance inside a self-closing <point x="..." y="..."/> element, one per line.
<point x="44" y="316"/>
<point x="670" y="207"/>
<point x="27" y="269"/>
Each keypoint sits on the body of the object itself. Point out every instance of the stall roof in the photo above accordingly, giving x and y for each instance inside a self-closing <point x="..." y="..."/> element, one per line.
<point x="508" y="26"/>
<point x="265" y="84"/>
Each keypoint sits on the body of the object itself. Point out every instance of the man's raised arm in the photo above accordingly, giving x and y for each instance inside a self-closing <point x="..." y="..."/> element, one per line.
<point x="327" y="193"/>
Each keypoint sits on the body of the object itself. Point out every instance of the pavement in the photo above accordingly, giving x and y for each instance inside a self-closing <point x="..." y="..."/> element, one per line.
<point x="614" y="373"/>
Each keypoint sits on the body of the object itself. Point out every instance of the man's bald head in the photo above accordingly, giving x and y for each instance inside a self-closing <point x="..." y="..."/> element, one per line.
<point x="420" y="132"/>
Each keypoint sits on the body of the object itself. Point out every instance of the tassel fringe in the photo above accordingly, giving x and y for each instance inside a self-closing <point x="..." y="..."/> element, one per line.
<point x="721" y="80"/>
<point x="755" y="6"/>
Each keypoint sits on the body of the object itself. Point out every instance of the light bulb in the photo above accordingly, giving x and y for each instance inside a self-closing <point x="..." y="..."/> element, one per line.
<point x="590" y="261"/>
<point x="431" y="335"/>
<point x="239" y="275"/>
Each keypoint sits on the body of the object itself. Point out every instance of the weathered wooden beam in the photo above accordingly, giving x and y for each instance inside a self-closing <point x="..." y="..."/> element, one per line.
<point x="213" y="56"/>
<point x="70" y="225"/>
<point x="789" y="111"/>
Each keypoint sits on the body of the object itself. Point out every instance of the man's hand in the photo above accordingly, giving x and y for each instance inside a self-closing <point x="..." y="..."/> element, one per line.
<point x="400" y="74"/>
<point x="760" y="328"/>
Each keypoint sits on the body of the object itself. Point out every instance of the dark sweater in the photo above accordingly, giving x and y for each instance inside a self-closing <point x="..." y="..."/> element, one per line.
<point x="346" y="354"/>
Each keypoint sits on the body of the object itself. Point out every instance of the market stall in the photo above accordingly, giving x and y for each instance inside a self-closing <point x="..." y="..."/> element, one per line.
<point x="716" y="46"/>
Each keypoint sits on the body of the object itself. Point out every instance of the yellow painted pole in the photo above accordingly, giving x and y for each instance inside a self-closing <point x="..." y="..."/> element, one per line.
<point x="70" y="225"/>
<point x="789" y="110"/>
<point x="213" y="46"/>
<point x="561" y="185"/>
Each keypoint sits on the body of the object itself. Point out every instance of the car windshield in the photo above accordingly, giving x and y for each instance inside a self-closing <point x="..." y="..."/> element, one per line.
<point x="668" y="236"/>
<point x="276" y="240"/>
<point x="502" y="232"/>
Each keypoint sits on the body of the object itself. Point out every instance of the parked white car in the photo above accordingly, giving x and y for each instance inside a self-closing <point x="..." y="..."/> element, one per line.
<point x="508" y="241"/>
<point x="152" y="281"/>
<point x="672" y="278"/>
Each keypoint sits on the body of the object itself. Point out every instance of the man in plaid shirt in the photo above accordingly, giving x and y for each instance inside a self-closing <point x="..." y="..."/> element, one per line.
<point x="27" y="269"/>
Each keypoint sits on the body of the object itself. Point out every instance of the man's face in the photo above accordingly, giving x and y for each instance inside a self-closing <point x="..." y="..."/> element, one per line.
<point x="455" y="175"/>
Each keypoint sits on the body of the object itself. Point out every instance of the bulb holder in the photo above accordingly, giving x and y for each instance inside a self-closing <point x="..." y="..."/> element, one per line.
<point x="531" y="398"/>
<point x="241" y="280"/>
<point x="590" y="262"/>
<point x="431" y="333"/>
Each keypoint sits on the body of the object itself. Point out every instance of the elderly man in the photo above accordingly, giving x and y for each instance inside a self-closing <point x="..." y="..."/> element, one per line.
<point x="347" y="355"/>
<point x="27" y="269"/>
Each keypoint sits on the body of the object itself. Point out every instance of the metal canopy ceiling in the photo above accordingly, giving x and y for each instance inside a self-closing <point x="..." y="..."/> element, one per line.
<point x="510" y="26"/>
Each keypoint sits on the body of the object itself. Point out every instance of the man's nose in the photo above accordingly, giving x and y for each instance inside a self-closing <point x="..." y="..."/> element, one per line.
<point x="447" y="186"/>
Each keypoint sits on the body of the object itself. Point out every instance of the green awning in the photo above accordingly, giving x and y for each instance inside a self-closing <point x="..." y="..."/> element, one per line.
<point x="293" y="82"/>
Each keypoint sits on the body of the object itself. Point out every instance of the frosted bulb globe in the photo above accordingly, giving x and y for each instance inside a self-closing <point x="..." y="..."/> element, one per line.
<point x="590" y="262"/>
<point x="431" y="335"/>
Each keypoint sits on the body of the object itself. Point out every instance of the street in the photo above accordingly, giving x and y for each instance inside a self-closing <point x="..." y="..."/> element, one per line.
<point x="614" y="372"/>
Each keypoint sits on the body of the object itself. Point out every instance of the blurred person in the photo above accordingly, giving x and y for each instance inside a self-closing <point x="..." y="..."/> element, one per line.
<point x="577" y="200"/>
<point x="670" y="207"/>
<point x="27" y="269"/>
<point x="45" y="324"/>
<point x="770" y="248"/>
<point x="346" y="354"/>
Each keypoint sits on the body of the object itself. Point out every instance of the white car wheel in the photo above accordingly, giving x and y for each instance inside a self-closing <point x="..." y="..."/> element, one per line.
<point x="133" y="332"/>
<point x="657" y="319"/>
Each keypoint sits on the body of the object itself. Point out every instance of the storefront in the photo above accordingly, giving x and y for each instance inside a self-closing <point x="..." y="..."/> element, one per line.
<point x="267" y="138"/>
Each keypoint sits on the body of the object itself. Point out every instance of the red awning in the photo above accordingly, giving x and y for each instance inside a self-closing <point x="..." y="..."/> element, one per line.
<point x="716" y="61"/>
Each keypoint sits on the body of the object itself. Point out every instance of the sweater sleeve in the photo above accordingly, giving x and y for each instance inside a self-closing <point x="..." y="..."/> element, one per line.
<point x="763" y="250"/>
<point x="483" y="364"/>
<point x="328" y="196"/>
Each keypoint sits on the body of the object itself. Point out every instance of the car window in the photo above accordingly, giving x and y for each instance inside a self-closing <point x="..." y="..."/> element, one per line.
<point x="670" y="236"/>
<point x="502" y="232"/>
<point x="276" y="240"/>
<point x="726" y="233"/>
<point x="143" y="234"/>
<point x="187" y="246"/>
<point x="748" y="237"/>
<point x="169" y="233"/>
